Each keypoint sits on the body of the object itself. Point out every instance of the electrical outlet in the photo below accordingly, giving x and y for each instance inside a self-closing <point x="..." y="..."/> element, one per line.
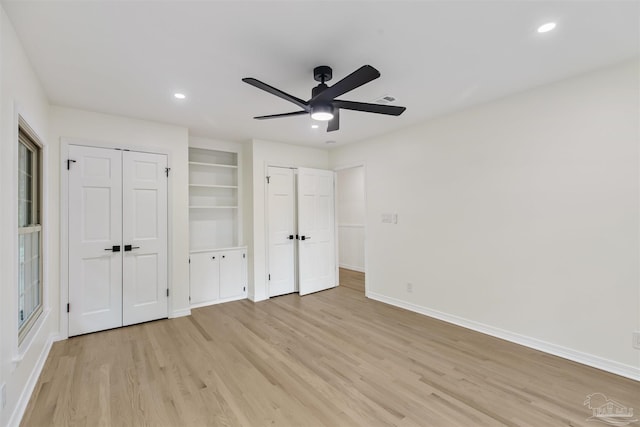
<point x="636" y="340"/>
<point x="3" y="396"/>
<point x="409" y="287"/>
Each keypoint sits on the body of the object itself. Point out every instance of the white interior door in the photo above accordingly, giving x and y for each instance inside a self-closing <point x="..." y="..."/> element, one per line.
<point x="282" y="226"/>
<point x="144" y="236"/>
<point x="95" y="234"/>
<point x="316" y="228"/>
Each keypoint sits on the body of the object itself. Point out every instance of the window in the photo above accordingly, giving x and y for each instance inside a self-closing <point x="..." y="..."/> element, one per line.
<point x="29" y="232"/>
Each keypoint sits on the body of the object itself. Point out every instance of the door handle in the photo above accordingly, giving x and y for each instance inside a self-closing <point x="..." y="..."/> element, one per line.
<point x="114" y="248"/>
<point x="290" y="237"/>
<point x="305" y="238"/>
<point x="128" y="248"/>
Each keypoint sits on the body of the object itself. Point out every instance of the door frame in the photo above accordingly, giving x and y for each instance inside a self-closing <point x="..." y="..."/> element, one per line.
<point x="366" y="263"/>
<point x="266" y="166"/>
<point x="64" y="218"/>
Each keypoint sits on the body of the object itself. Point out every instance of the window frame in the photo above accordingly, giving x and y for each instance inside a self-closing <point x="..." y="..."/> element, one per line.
<point x="27" y="138"/>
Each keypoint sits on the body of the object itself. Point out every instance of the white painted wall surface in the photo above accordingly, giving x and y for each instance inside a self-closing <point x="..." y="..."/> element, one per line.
<point x="519" y="217"/>
<point x="350" y="216"/>
<point x="264" y="153"/>
<point x="79" y="125"/>
<point x="22" y="94"/>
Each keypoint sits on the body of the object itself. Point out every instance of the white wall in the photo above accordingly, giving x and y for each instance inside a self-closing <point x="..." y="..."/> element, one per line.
<point x="21" y="93"/>
<point x="519" y="217"/>
<point x="103" y="129"/>
<point x="350" y="217"/>
<point x="263" y="154"/>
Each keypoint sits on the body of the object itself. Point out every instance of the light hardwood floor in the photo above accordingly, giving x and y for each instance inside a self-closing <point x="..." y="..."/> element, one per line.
<point x="329" y="359"/>
<point x="352" y="279"/>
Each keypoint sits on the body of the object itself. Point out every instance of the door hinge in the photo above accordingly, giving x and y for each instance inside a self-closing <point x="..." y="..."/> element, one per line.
<point x="167" y="291"/>
<point x="244" y="289"/>
<point x="269" y="277"/>
<point x="189" y="260"/>
<point x="268" y="178"/>
<point x="68" y="307"/>
<point x="21" y="315"/>
<point x="166" y="170"/>
<point x="244" y="255"/>
<point x="69" y="161"/>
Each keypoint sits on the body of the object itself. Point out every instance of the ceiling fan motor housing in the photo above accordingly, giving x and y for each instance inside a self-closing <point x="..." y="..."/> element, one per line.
<point x="322" y="74"/>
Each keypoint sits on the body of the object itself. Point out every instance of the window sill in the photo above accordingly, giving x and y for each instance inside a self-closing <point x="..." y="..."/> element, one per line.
<point x="25" y="345"/>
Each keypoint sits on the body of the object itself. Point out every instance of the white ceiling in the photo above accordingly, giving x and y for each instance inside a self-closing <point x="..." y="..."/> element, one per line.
<point x="128" y="58"/>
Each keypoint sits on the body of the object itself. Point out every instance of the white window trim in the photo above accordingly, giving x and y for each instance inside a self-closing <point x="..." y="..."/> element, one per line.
<point x="22" y="347"/>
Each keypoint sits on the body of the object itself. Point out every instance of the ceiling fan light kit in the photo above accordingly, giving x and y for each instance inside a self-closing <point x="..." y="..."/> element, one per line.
<point x="323" y="105"/>
<point x="322" y="112"/>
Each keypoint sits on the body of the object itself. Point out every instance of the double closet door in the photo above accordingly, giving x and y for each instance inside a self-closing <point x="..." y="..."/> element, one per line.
<point x="117" y="238"/>
<point x="301" y="230"/>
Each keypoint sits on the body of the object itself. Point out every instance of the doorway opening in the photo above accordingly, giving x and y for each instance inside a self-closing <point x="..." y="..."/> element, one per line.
<point x="350" y="218"/>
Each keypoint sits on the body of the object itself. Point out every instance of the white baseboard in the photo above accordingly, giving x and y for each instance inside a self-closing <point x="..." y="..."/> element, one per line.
<point x="27" y="391"/>
<point x="180" y="313"/>
<point x="556" y="350"/>
<point x="220" y="301"/>
<point x="352" y="267"/>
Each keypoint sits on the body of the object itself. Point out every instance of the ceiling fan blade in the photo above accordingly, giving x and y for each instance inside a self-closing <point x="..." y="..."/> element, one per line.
<point x="334" y="124"/>
<point x="275" y="116"/>
<point x="277" y="92"/>
<point x="392" y="110"/>
<point x="362" y="75"/>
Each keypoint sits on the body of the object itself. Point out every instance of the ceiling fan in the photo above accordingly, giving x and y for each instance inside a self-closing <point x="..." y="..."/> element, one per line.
<point x="323" y="106"/>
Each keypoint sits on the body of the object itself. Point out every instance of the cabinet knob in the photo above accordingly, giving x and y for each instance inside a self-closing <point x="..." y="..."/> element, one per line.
<point x="213" y="257"/>
<point x="222" y="256"/>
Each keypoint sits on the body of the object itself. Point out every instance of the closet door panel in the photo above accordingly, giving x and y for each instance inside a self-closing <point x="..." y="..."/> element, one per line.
<point x="316" y="228"/>
<point x="281" y="230"/>
<point x="144" y="217"/>
<point x="95" y="234"/>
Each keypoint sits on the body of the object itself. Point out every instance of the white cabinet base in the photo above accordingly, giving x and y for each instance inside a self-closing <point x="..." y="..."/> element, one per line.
<point x="217" y="276"/>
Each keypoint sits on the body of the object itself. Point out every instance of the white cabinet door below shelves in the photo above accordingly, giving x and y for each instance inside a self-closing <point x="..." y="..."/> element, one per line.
<point x="205" y="277"/>
<point x="231" y="267"/>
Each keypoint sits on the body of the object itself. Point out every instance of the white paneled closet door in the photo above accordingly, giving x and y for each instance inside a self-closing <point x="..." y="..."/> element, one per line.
<point x="117" y="238"/>
<point x="144" y="236"/>
<point x="316" y="228"/>
<point x="95" y="239"/>
<point x="281" y="230"/>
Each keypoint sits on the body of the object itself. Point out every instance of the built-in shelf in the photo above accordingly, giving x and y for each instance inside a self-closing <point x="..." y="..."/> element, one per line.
<point x="214" y="198"/>
<point x="213" y="165"/>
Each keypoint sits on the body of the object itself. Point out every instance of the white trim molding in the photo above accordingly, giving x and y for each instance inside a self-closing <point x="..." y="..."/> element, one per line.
<point x="352" y="267"/>
<point x="27" y="391"/>
<point x="180" y="313"/>
<point x="553" y="349"/>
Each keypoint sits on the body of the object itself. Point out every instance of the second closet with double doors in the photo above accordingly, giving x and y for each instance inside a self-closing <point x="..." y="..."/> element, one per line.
<point x="117" y="239"/>
<point x="301" y="230"/>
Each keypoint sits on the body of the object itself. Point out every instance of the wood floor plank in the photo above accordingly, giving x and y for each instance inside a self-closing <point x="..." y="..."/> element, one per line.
<point x="332" y="359"/>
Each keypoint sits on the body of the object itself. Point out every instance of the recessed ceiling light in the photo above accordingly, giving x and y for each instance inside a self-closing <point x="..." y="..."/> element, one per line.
<point x="179" y="95"/>
<point x="545" y="28"/>
<point x="330" y="142"/>
<point x="314" y="126"/>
